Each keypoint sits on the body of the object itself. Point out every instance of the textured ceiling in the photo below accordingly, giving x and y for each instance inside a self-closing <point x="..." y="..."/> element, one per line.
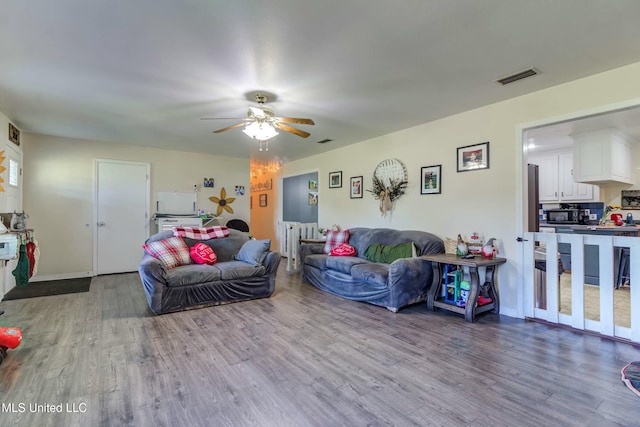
<point x="144" y="72"/>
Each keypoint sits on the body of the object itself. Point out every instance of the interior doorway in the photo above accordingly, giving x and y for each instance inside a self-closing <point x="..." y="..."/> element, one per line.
<point x="604" y="310"/>
<point x="12" y="195"/>
<point x="300" y="198"/>
<point x="122" y="199"/>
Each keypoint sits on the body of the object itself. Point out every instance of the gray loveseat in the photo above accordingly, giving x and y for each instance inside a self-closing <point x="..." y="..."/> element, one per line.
<point x="402" y="282"/>
<point x="199" y="285"/>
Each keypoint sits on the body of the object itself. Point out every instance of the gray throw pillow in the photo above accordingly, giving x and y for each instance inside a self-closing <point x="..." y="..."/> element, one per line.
<point x="254" y="251"/>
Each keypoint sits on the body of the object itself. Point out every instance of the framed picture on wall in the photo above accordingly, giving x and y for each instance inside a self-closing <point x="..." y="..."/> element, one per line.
<point x="14" y="134"/>
<point x="335" y="179"/>
<point x="473" y="157"/>
<point x="431" y="179"/>
<point x="262" y="200"/>
<point x="356" y="187"/>
<point x="313" y="198"/>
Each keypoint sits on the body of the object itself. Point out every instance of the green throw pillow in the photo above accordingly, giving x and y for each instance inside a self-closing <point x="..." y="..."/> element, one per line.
<point x="377" y="252"/>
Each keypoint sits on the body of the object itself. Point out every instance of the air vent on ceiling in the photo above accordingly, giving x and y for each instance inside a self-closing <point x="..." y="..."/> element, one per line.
<point x="518" y="76"/>
<point x="324" y="141"/>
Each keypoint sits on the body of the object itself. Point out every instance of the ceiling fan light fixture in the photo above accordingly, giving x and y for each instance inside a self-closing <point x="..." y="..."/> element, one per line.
<point x="262" y="124"/>
<point x="260" y="130"/>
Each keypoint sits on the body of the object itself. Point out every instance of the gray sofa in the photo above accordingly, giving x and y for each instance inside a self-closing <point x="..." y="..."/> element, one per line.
<point x="404" y="281"/>
<point x="196" y="285"/>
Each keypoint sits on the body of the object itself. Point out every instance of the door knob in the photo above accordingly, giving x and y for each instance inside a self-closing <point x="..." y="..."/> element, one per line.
<point x="101" y="224"/>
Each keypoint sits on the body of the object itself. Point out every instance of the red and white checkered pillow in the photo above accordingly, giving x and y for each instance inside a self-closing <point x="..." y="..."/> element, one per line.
<point x="335" y="238"/>
<point x="172" y="252"/>
<point x="199" y="233"/>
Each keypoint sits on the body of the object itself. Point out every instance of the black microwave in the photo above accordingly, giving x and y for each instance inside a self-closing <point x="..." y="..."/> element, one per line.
<point x="566" y="216"/>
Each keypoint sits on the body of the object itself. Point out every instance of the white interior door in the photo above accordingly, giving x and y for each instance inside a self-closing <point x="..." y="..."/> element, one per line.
<point x="12" y="186"/>
<point x="122" y="215"/>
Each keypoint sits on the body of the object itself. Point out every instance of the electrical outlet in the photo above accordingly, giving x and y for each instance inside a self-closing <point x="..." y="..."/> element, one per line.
<point x="593" y="216"/>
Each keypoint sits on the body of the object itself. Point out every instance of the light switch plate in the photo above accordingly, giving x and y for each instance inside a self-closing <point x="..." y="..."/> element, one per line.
<point x="593" y="216"/>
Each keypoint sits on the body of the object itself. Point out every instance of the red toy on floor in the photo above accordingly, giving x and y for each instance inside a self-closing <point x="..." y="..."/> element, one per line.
<point x="9" y="338"/>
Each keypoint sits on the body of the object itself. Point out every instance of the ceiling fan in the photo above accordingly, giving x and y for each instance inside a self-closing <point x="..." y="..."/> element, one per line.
<point x="261" y="122"/>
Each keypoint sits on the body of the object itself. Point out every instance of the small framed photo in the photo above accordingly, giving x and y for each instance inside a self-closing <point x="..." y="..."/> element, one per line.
<point x="313" y="184"/>
<point x="262" y="200"/>
<point x="431" y="179"/>
<point x="335" y="179"/>
<point x="208" y="182"/>
<point x="239" y="190"/>
<point x="14" y="134"/>
<point x="473" y="157"/>
<point x="313" y="198"/>
<point x="356" y="187"/>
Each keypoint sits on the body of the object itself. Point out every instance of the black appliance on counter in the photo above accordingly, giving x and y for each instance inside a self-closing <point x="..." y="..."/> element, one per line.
<point x="567" y="215"/>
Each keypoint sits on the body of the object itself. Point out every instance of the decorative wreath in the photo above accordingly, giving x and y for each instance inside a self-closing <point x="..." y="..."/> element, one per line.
<point x="389" y="183"/>
<point x="394" y="190"/>
<point x="223" y="202"/>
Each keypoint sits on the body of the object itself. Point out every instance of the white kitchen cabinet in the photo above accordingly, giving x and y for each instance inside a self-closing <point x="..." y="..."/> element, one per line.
<point x="547" y="177"/>
<point x="556" y="179"/>
<point x="569" y="188"/>
<point x="602" y="156"/>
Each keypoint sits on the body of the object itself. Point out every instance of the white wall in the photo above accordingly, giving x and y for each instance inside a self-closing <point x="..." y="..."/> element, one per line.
<point x="486" y="201"/>
<point x="59" y="192"/>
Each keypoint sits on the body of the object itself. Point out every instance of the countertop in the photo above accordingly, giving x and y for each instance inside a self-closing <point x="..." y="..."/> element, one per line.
<point x="596" y="229"/>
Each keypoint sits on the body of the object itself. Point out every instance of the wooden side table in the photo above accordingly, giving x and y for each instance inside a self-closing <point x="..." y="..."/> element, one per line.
<point x="488" y="288"/>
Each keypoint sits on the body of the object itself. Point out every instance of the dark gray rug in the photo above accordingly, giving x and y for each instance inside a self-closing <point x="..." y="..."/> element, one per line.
<point x="631" y="377"/>
<point x="52" y="287"/>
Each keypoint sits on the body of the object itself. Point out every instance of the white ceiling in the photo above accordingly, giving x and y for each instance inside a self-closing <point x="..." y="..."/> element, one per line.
<point x="144" y="72"/>
<point x="558" y="136"/>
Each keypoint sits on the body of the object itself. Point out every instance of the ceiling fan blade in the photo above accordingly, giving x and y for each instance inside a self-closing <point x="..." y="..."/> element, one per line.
<point x="295" y="120"/>
<point x="291" y="129"/>
<point x="229" y="128"/>
<point x="256" y="112"/>
<point x="222" y="118"/>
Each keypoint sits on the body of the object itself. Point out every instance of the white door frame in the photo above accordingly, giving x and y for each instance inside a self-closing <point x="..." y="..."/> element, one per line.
<point x="95" y="202"/>
<point x="521" y="171"/>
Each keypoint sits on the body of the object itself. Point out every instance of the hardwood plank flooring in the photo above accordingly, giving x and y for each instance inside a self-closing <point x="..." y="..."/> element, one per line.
<point x="300" y="358"/>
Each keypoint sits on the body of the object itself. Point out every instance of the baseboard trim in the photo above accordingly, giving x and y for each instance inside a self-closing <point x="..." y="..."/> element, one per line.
<point x="62" y="276"/>
<point x="511" y="313"/>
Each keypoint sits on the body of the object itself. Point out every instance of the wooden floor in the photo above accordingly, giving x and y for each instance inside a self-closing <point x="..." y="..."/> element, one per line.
<point x="300" y="358"/>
